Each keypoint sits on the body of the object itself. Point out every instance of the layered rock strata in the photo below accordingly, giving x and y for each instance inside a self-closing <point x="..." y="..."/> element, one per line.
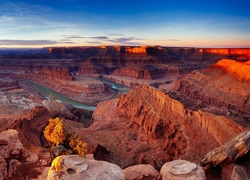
<point x="146" y="126"/>
<point x="83" y="89"/>
<point x="31" y="127"/>
<point x="224" y="84"/>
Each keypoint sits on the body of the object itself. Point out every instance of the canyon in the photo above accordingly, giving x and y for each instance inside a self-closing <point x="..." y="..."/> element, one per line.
<point x="179" y="103"/>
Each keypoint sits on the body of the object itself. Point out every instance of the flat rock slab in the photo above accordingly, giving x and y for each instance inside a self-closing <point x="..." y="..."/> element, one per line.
<point x="78" y="168"/>
<point x="182" y="170"/>
<point x="141" y="172"/>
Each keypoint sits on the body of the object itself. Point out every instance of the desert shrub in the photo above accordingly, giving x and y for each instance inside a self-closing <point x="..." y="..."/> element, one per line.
<point x="78" y="146"/>
<point x="55" y="132"/>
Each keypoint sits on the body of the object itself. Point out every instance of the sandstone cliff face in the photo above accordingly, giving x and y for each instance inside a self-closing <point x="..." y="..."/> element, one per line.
<point x="161" y="109"/>
<point x="31" y="127"/>
<point x="139" y="72"/>
<point x="137" y="50"/>
<point x="224" y="84"/>
<point x="56" y="73"/>
<point x="89" y="68"/>
<point x="227" y="51"/>
<point x="147" y="126"/>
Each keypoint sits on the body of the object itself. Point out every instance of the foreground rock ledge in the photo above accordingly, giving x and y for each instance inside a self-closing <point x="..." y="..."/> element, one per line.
<point x="78" y="168"/>
<point x="229" y="152"/>
<point x="182" y="170"/>
<point x="141" y="172"/>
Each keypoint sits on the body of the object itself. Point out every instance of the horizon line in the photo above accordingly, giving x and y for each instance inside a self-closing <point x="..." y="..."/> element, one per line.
<point x="196" y="47"/>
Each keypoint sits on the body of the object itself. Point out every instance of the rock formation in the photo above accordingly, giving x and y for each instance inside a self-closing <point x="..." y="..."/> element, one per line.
<point x="182" y="170"/>
<point x="10" y="151"/>
<point x="234" y="171"/>
<point x="56" y="73"/>
<point x="76" y="167"/>
<point x="7" y="84"/>
<point x="229" y="152"/>
<point x="146" y="126"/>
<point x="139" y="72"/>
<point x="227" y="51"/>
<point x="84" y="90"/>
<point x="31" y="127"/>
<point x="137" y="50"/>
<point x="141" y="172"/>
<point x="16" y="162"/>
<point x="230" y="82"/>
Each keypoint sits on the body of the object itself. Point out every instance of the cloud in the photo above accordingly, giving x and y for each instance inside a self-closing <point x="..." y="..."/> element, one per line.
<point x="172" y="40"/>
<point x="100" y="37"/>
<point x="66" y="42"/>
<point x="74" y="37"/>
<point x="115" y="34"/>
<point x="94" y="42"/>
<point x="91" y="37"/>
<point x="26" y="42"/>
<point x="126" y="40"/>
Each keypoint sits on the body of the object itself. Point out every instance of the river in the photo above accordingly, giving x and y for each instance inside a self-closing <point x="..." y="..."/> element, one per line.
<point x="47" y="93"/>
<point x="114" y="85"/>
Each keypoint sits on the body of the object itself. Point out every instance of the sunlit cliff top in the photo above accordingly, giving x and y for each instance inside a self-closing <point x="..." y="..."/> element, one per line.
<point x="241" y="70"/>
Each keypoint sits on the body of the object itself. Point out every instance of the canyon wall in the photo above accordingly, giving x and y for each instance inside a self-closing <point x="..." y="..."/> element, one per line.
<point x="224" y="84"/>
<point x="56" y="73"/>
<point x="146" y="126"/>
<point x="150" y="50"/>
<point x="226" y="51"/>
<point x="139" y="72"/>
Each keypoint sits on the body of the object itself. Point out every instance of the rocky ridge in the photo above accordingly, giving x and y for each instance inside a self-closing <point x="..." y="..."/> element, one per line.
<point x="230" y="82"/>
<point x="146" y="126"/>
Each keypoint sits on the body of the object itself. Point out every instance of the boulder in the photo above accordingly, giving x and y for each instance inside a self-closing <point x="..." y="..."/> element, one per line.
<point x="43" y="175"/>
<point x="16" y="162"/>
<point x="229" y="152"/>
<point x="234" y="171"/>
<point x="141" y="172"/>
<point x="60" y="150"/>
<point x="76" y="167"/>
<point x="181" y="170"/>
<point x="11" y="150"/>
<point x="10" y="145"/>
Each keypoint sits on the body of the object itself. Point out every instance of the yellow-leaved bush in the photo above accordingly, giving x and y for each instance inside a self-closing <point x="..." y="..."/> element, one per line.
<point x="57" y="133"/>
<point x="78" y="146"/>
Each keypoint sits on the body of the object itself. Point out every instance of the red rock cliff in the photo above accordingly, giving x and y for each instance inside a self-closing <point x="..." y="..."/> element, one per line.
<point x="224" y="84"/>
<point x="226" y="51"/>
<point x="147" y="126"/>
<point x="137" y="50"/>
<point x="56" y="72"/>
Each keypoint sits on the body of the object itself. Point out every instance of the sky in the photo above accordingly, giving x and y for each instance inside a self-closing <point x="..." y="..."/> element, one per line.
<point x="193" y="23"/>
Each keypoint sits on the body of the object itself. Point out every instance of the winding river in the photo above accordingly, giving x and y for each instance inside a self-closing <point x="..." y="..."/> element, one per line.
<point x="47" y="93"/>
<point x="114" y="85"/>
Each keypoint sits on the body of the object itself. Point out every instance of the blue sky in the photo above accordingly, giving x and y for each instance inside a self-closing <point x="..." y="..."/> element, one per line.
<point x="40" y="23"/>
